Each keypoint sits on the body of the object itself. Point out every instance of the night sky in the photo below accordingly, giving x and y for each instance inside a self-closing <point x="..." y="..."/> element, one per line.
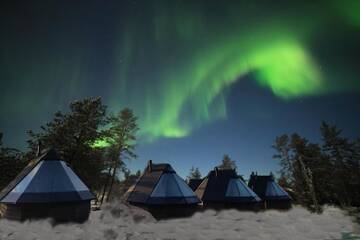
<point x="205" y="77"/>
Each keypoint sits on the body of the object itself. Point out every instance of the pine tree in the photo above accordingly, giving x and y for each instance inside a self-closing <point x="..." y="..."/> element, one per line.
<point x="11" y="163"/>
<point x="194" y="173"/>
<point x="122" y="137"/>
<point x="227" y="163"/>
<point x="286" y="159"/>
<point x="341" y="153"/>
<point x="321" y="174"/>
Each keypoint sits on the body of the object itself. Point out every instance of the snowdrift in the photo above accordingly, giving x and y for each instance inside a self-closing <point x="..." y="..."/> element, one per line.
<point x="119" y="221"/>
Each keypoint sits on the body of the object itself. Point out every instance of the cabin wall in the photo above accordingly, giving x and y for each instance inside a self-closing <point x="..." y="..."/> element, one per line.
<point x="278" y="204"/>
<point x="171" y="211"/>
<point x="60" y="212"/>
<point x="2" y="210"/>
<point x="10" y="211"/>
<point x="247" y="206"/>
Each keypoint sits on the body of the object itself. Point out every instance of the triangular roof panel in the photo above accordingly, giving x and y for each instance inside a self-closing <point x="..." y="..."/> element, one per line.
<point x="225" y="186"/>
<point x="237" y="188"/>
<point x="267" y="188"/>
<point x="273" y="189"/>
<point x="47" y="179"/>
<point x="160" y="185"/>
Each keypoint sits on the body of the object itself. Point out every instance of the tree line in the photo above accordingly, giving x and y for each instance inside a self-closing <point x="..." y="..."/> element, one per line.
<point x="314" y="174"/>
<point x="320" y="173"/>
<point x="226" y="163"/>
<point x="94" y="142"/>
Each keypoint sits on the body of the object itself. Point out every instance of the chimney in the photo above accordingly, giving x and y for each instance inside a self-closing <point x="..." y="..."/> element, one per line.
<point x="216" y="171"/>
<point x="150" y="165"/>
<point x="38" y="151"/>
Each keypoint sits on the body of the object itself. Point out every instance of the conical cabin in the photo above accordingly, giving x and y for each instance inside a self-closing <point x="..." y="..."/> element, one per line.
<point x="47" y="188"/>
<point x="270" y="192"/>
<point x="162" y="192"/>
<point x="223" y="188"/>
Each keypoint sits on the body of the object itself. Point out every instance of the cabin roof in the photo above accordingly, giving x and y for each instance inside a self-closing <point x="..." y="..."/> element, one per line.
<point x="224" y="185"/>
<point x="46" y="179"/>
<point x="160" y="185"/>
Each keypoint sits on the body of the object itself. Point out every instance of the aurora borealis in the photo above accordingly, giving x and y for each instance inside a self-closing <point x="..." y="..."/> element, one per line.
<point x="176" y="63"/>
<point x="211" y="50"/>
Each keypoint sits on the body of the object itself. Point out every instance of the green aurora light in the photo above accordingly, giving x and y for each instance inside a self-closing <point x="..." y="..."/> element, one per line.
<point x="350" y="11"/>
<point x="284" y="67"/>
<point x="206" y="58"/>
<point x="174" y="62"/>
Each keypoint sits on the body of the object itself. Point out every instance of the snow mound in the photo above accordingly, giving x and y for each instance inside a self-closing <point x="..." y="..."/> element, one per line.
<point x="119" y="221"/>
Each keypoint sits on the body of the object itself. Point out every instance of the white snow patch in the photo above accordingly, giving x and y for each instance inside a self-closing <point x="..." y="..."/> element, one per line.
<point x="122" y="222"/>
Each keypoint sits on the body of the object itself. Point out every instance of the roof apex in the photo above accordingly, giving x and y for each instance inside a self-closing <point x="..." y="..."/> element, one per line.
<point x="163" y="167"/>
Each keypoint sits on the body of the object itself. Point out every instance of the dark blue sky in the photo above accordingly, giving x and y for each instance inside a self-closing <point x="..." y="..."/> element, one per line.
<point x="205" y="78"/>
<point x="256" y="117"/>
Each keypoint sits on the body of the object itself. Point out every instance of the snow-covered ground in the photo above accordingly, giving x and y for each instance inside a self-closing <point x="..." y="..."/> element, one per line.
<point x="121" y="222"/>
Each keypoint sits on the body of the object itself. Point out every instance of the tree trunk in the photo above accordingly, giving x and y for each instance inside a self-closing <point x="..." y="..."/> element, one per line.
<point x="112" y="182"/>
<point x="105" y="186"/>
<point x="307" y="174"/>
<point x="116" y="161"/>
